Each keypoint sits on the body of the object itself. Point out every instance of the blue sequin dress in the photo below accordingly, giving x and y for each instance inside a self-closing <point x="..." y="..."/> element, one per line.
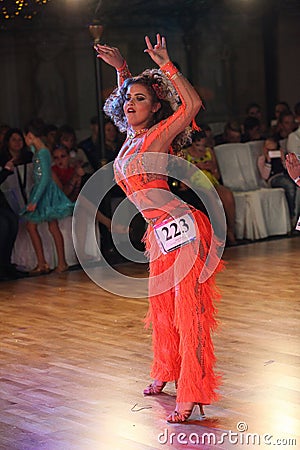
<point x="51" y="202"/>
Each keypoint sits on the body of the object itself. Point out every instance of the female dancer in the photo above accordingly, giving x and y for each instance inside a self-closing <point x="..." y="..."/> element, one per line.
<point x="156" y="107"/>
<point x="47" y="202"/>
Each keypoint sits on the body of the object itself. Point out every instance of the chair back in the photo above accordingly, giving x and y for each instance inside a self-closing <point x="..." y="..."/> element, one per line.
<point x="238" y="166"/>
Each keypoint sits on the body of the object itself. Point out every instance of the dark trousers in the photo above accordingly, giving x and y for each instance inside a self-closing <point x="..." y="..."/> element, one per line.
<point x="9" y="223"/>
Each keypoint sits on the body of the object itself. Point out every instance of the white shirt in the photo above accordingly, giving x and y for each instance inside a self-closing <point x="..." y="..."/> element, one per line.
<point x="293" y="142"/>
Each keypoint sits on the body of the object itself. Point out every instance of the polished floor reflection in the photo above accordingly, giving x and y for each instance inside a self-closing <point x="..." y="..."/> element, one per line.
<point x="75" y="359"/>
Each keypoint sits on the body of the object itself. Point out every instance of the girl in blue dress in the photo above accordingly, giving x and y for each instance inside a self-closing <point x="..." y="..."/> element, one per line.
<point x="47" y="203"/>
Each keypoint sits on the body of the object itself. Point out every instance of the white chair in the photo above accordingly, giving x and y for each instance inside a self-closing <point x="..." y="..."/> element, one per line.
<point x="260" y="211"/>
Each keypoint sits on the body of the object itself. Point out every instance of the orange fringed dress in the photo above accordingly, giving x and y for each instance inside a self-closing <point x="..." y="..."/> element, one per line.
<point x="182" y="286"/>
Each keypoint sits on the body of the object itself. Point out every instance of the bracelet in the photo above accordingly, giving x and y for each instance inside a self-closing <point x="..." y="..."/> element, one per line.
<point x="296" y="180"/>
<point x="123" y="72"/>
<point x="123" y="66"/>
<point x="169" y="69"/>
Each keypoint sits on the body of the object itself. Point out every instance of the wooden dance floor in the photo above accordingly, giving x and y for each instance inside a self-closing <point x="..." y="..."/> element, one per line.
<point x="75" y="359"/>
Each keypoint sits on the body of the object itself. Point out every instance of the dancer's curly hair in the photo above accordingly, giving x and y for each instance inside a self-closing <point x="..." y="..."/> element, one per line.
<point x="161" y="90"/>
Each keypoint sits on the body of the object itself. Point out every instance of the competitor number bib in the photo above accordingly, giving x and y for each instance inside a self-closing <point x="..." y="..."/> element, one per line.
<point x="174" y="233"/>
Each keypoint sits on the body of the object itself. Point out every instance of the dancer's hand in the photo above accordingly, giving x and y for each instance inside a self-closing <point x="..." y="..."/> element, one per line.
<point x="292" y="165"/>
<point x="110" y="55"/>
<point x="158" y="53"/>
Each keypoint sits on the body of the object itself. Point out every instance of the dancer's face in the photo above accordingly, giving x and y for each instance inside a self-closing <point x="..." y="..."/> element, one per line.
<point x="139" y="106"/>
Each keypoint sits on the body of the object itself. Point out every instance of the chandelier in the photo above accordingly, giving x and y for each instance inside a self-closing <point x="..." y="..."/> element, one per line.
<point x="26" y="9"/>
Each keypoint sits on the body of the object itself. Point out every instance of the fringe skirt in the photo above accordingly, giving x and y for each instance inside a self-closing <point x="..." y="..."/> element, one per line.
<point x="182" y="292"/>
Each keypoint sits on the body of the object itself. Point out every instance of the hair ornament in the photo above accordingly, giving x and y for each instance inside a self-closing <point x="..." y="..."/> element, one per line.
<point x="158" y="91"/>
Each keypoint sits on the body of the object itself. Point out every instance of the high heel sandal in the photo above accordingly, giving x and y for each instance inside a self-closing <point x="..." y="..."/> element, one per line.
<point x="183" y="416"/>
<point x="40" y="270"/>
<point x="61" y="269"/>
<point x="154" y="388"/>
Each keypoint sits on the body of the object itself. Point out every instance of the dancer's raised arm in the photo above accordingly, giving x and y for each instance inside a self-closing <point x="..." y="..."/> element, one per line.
<point x="113" y="57"/>
<point x="186" y="91"/>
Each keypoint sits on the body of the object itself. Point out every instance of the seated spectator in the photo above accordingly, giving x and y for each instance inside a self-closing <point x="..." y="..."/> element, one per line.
<point x="286" y="125"/>
<point x="91" y="145"/>
<point x="3" y="129"/>
<point x="271" y="165"/>
<point x="280" y="107"/>
<point x="15" y="159"/>
<point x="15" y="151"/>
<point x="66" y="137"/>
<point x="14" y="147"/>
<point x="9" y="224"/>
<point x="210" y="141"/>
<point x="252" y="130"/>
<point x="232" y="133"/>
<point x="204" y="158"/>
<point x="254" y="110"/>
<point x="113" y="140"/>
<point x="50" y="136"/>
<point x="293" y="140"/>
<point x="67" y="175"/>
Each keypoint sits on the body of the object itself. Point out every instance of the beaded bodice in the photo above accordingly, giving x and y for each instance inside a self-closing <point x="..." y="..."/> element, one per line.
<point x="141" y="166"/>
<point x="143" y="177"/>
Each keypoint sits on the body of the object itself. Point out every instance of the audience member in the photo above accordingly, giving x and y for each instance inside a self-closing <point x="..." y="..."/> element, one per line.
<point x="271" y="165"/>
<point x="286" y="124"/>
<point x="254" y="110"/>
<point x="91" y="146"/>
<point x="66" y="174"/>
<point x="3" y="129"/>
<point x="210" y="141"/>
<point x="50" y="136"/>
<point x="8" y="233"/>
<point x="293" y="140"/>
<point x="252" y="129"/>
<point x="17" y="185"/>
<point x="113" y="140"/>
<point x="280" y="107"/>
<point x="66" y="136"/>
<point x="9" y="224"/>
<point x="232" y="133"/>
<point x="204" y="158"/>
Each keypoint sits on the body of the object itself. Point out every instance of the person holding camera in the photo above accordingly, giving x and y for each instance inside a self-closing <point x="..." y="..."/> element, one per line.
<point x="272" y="168"/>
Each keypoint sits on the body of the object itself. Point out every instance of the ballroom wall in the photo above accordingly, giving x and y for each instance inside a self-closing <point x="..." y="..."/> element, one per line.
<point x="52" y="74"/>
